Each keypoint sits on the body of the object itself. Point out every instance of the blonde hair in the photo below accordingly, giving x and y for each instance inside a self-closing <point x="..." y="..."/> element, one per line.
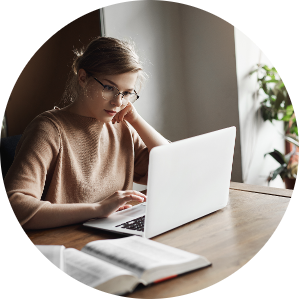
<point x="103" y="56"/>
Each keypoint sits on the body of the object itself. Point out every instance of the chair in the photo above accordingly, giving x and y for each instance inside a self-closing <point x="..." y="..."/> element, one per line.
<point x="8" y="148"/>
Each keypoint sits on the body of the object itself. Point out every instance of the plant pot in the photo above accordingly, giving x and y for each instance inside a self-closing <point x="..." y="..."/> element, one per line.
<point x="290" y="183"/>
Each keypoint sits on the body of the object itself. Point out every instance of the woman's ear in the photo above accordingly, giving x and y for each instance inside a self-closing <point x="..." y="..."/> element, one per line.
<point x="82" y="78"/>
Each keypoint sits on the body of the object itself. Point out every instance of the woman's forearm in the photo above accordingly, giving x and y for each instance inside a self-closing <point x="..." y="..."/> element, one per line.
<point x="148" y="134"/>
<point x="56" y="215"/>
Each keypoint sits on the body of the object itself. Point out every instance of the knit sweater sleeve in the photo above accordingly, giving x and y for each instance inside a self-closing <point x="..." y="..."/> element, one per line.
<point x="36" y="154"/>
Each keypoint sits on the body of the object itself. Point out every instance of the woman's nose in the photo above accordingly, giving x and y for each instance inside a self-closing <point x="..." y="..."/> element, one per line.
<point x="117" y="100"/>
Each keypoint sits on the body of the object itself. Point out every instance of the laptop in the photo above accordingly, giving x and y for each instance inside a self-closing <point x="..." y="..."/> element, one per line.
<point x="187" y="179"/>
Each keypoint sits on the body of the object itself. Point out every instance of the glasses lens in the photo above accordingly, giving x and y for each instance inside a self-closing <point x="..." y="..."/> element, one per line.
<point x="132" y="97"/>
<point x="109" y="92"/>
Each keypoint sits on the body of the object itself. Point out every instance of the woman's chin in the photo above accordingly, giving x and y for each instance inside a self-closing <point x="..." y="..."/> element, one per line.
<point x="106" y="120"/>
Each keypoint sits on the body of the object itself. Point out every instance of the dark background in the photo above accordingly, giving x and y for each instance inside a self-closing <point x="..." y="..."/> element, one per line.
<point x="42" y="82"/>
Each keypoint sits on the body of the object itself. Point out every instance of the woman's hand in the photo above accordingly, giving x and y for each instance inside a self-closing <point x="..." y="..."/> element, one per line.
<point x="117" y="202"/>
<point x="124" y="207"/>
<point x="129" y="113"/>
<point x="148" y="134"/>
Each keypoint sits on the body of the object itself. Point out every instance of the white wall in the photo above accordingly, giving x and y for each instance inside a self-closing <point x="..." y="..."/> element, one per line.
<point x="190" y="58"/>
<point x="154" y="26"/>
<point x="257" y="137"/>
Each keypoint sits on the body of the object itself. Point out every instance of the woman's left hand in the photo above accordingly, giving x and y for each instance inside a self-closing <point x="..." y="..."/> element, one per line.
<point x="124" y="207"/>
<point x="129" y="113"/>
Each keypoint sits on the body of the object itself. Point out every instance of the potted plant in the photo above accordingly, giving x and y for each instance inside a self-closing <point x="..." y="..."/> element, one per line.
<point x="277" y="105"/>
<point x="288" y="165"/>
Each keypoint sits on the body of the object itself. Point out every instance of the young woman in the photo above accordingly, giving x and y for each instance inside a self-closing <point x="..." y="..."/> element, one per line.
<point x="79" y="162"/>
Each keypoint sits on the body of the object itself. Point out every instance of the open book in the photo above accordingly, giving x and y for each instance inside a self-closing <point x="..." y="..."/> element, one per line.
<point x="54" y="253"/>
<point x="118" y="266"/>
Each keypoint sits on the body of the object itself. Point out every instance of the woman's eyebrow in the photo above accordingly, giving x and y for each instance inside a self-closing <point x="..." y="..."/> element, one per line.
<point x="114" y="84"/>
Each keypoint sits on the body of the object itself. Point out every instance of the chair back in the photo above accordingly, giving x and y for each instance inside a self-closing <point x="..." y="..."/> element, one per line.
<point x="8" y="149"/>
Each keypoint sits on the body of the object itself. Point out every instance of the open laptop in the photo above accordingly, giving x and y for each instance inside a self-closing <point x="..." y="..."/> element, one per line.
<point x="187" y="179"/>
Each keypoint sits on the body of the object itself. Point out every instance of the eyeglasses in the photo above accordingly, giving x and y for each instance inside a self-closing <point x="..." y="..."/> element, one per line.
<point x="110" y="92"/>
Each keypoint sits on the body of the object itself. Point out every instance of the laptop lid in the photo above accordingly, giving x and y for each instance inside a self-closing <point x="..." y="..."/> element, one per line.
<point x="188" y="179"/>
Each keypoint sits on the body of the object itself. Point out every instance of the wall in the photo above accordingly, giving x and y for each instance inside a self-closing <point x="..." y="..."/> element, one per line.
<point x="257" y="137"/>
<point x="3" y="132"/>
<point x="42" y="82"/>
<point x="189" y="55"/>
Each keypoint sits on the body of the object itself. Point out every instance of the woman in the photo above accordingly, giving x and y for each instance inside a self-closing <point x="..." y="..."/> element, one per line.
<point x="82" y="159"/>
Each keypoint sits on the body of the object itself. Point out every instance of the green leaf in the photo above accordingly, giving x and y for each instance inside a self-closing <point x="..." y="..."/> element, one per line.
<point x="277" y="172"/>
<point x="266" y="68"/>
<point x="270" y="92"/>
<point x="286" y="118"/>
<point x="289" y="110"/>
<point x="265" y="88"/>
<point x="273" y="80"/>
<point x="279" y="100"/>
<point x="278" y="156"/>
<point x="268" y="113"/>
<point x="294" y="130"/>
<point x="281" y="85"/>
<point x="283" y="174"/>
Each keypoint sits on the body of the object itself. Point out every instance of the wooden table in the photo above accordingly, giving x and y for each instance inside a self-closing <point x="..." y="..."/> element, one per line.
<point x="229" y="238"/>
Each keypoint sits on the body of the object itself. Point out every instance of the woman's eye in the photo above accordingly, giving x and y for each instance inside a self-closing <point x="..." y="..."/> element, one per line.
<point x="109" y="88"/>
<point x="126" y="93"/>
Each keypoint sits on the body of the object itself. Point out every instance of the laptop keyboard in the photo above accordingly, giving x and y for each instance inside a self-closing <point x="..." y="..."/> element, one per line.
<point x="135" y="224"/>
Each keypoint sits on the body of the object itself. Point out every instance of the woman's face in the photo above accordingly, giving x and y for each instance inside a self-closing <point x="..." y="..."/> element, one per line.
<point x="92" y="102"/>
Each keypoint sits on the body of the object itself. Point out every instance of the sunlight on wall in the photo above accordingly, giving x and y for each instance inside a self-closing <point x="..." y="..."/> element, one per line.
<point x="3" y="132"/>
<point x="257" y="137"/>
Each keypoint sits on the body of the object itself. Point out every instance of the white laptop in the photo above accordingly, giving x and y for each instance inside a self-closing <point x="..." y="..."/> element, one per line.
<point x="187" y="179"/>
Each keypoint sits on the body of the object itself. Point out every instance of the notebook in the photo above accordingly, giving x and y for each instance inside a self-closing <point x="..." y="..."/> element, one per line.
<point x="187" y="179"/>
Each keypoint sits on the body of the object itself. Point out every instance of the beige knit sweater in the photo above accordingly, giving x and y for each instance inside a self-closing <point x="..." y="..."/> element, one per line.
<point x="63" y="157"/>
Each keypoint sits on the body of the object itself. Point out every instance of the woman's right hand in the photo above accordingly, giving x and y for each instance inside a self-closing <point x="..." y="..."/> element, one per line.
<point x="118" y="199"/>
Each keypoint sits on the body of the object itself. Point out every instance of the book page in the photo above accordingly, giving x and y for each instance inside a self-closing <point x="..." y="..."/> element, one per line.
<point x="53" y="253"/>
<point x="137" y="254"/>
<point x="89" y="270"/>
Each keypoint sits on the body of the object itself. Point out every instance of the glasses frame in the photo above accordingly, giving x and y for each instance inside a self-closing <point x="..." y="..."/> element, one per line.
<point x="117" y="90"/>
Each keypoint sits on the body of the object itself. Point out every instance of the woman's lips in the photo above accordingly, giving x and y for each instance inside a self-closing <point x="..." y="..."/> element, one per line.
<point x="110" y="112"/>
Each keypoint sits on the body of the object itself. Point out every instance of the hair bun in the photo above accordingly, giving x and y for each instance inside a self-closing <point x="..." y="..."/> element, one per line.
<point x="77" y="60"/>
